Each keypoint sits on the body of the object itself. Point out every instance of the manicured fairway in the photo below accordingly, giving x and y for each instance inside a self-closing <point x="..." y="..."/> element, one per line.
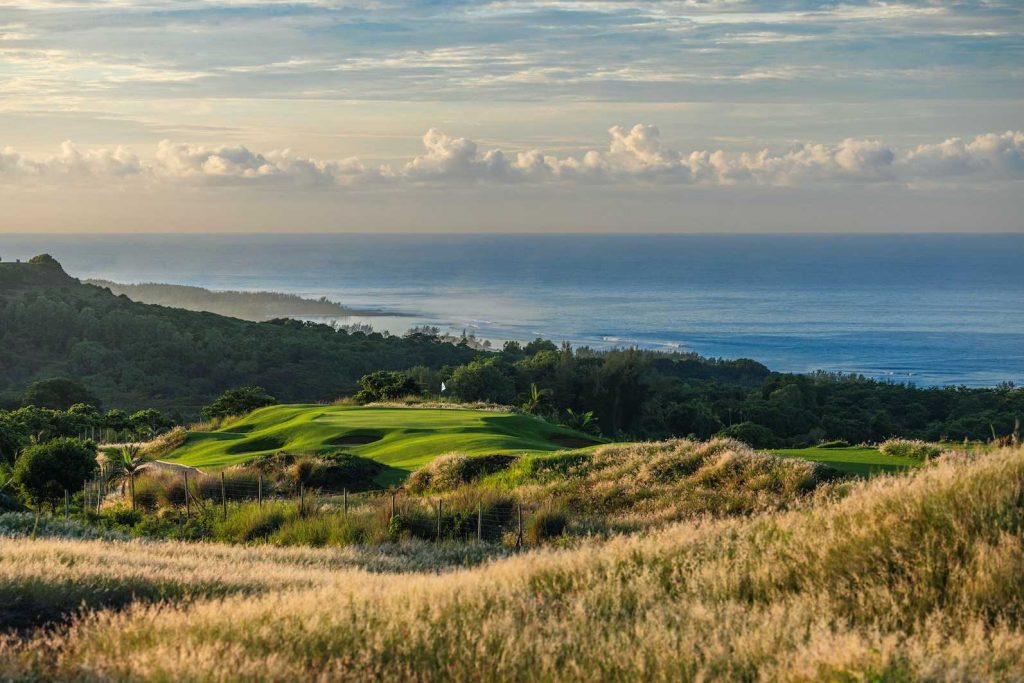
<point x="402" y="438"/>
<point x="860" y="461"/>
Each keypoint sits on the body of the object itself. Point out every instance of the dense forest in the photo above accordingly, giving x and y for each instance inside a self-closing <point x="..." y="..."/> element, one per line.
<point x="132" y="356"/>
<point x="255" y="306"/>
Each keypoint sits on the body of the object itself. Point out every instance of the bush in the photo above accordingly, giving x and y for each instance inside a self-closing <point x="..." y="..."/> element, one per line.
<point x="238" y="402"/>
<point x="546" y="524"/>
<point x="252" y="522"/>
<point x="386" y="385"/>
<point x="910" y="448"/>
<point x="752" y="434"/>
<point x="45" y="471"/>
<point x="452" y="470"/>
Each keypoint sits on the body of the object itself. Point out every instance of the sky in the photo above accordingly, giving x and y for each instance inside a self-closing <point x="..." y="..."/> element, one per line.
<point x="550" y="115"/>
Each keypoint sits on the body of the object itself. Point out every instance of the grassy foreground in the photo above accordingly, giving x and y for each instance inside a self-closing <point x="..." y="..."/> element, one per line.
<point x="402" y="438"/>
<point x="905" y="578"/>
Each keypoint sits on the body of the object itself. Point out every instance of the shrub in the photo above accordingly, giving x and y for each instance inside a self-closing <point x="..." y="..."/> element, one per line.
<point x="545" y="524"/>
<point x="238" y="402"/>
<point x="910" y="448"/>
<point x="752" y="434"/>
<point x="251" y="522"/>
<point x="45" y="471"/>
<point x="452" y="470"/>
<point x="386" y="385"/>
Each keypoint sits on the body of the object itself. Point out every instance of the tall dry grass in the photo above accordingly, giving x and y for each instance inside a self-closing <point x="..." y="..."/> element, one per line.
<point x="639" y="485"/>
<point x="915" y="577"/>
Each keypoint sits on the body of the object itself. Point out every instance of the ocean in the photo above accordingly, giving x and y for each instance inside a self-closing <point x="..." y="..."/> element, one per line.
<point x="925" y="309"/>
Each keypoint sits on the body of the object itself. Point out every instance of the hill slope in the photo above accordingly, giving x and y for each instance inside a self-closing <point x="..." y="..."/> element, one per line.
<point x="133" y="355"/>
<point x="254" y="306"/>
<point x="402" y="438"/>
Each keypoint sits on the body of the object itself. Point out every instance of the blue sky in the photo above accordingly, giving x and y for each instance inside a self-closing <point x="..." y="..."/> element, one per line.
<point x="619" y="115"/>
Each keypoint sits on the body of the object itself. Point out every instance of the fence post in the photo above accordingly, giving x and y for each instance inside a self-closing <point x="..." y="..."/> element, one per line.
<point x="302" y="499"/>
<point x="188" y="505"/>
<point x="345" y="498"/>
<point x="131" y="478"/>
<point x="519" y="530"/>
<point x="223" y="497"/>
<point x="99" y="497"/>
<point x="439" y="519"/>
<point x="392" y="505"/>
<point x="85" y="497"/>
<point x="67" y="506"/>
<point x="479" y="522"/>
<point x="259" y="489"/>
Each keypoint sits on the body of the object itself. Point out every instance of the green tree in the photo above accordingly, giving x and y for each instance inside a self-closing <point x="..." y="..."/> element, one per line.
<point x="752" y="434"/>
<point x="149" y="422"/>
<point x="13" y="437"/>
<point x="484" y="379"/>
<point x="238" y="402"/>
<point x="386" y="385"/>
<point x="58" y="393"/>
<point x="43" y="472"/>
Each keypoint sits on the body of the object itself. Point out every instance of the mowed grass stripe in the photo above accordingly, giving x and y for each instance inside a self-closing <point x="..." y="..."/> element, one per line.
<point x="862" y="462"/>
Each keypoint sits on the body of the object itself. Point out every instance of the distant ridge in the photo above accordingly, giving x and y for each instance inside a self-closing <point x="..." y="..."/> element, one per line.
<point x="255" y="306"/>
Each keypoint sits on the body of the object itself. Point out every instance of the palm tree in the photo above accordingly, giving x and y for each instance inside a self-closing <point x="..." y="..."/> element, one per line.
<point x="129" y="462"/>
<point x="581" y="422"/>
<point x="536" y="399"/>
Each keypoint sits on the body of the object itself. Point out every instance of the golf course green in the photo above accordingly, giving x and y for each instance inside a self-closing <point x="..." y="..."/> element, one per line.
<point x="862" y="462"/>
<point x="401" y="438"/>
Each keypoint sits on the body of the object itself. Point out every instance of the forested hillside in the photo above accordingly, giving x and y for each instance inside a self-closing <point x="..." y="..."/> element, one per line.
<point x="131" y="354"/>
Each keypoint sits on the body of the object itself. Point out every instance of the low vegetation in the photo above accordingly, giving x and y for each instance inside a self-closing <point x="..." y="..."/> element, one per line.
<point x="911" y="577"/>
<point x="631" y="486"/>
<point x="909" y="448"/>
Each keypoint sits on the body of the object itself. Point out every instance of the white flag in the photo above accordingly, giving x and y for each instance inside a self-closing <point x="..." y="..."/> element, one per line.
<point x="443" y="387"/>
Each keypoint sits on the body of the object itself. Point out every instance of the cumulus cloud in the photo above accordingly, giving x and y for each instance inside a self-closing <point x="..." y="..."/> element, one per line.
<point x="71" y="164"/>
<point x="240" y="166"/>
<point x="634" y="155"/>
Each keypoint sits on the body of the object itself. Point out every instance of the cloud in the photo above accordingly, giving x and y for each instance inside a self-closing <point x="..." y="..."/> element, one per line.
<point x="992" y="156"/>
<point x="238" y="165"/>
<point x="71" y="165"/>
<point x="634" y="156"/>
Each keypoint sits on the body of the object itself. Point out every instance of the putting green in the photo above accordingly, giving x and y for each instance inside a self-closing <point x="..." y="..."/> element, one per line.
<point x="401" y="438"/>
<point x="863" y="462"/>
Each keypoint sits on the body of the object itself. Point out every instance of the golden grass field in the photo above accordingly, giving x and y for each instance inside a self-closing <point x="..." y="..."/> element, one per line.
<point x="908" y="577"/>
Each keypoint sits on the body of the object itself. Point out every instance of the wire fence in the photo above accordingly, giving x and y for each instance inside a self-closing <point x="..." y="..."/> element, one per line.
<point x="462" y="517"/>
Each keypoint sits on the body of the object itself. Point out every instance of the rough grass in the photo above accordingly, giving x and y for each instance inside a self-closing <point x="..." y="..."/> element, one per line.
<point x="409" y="437"/>
<point x="914" y="577"/>
<point x="628" y="486"/>
<point x="909" y="448"/>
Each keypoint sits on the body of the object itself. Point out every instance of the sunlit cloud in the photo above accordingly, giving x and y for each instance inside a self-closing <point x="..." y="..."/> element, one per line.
<point x="634" y="155"/>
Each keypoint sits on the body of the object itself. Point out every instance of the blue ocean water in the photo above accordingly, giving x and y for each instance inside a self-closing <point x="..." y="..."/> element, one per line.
<point x="927" y="309"/>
